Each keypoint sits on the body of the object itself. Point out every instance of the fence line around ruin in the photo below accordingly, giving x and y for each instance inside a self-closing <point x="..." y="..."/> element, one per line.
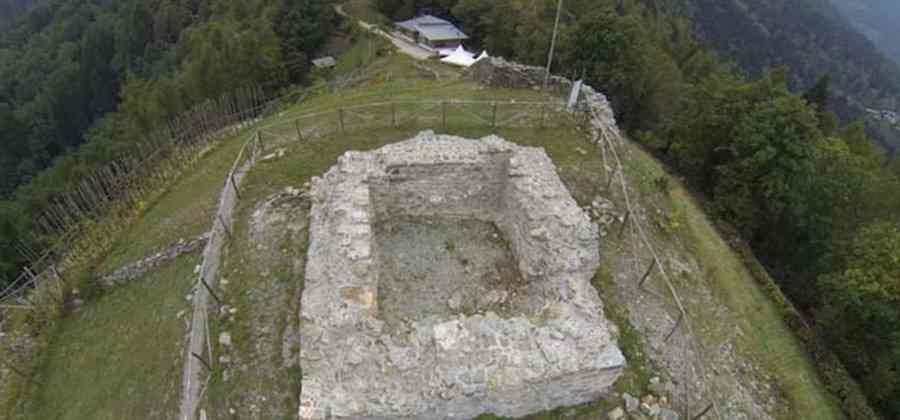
<point x="199" y="342"/>
<point x="386" y="114"/>
<point x="609" y="139"/>
<point x="198" y="353"/>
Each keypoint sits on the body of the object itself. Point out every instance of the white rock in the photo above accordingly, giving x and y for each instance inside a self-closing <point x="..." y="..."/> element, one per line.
<point x="455" y="301"/>
<point x="616" y="414"/>
<point x="225" y="339"/>
<point x="631" y="403"/>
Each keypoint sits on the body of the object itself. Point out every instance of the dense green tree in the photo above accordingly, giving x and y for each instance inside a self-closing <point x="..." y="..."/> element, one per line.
<point x="84" y="80"/>
<point x="302" y="28"/>
<point x="772" y="165"/>
<point x="819" y="97"/>
<point x="862" y="311"/>
<point x="221" y="55"/>
<point x="623" y="56"/>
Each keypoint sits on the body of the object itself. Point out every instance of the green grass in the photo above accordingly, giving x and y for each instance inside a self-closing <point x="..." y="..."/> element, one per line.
<point x="302" y="161"/>
<point x="766" y="341"/>
<point x="120" y="356"/>
<point x="185" y="210"/>
<point x="86" y="376"/>
<point x="765" y="338"/>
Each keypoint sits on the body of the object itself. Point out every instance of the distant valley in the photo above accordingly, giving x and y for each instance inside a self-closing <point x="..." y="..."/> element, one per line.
<point x="878" y="20"/>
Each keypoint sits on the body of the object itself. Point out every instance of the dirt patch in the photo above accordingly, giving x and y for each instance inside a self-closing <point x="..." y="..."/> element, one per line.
<point x="262" y="286"/>
<point x="444" y="267"/>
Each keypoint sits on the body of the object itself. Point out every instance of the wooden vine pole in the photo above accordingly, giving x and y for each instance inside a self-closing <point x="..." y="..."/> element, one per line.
<point x="120" y="183"/>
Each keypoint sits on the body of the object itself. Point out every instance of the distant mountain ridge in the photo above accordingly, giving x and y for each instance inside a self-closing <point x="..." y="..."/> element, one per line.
<point x="12" y="9"/>
<point x="812" y="38"/>
<point x="878" y="20"/>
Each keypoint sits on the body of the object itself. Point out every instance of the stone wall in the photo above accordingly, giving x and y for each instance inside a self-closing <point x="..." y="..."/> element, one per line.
<point x="497" y="72"/>
<point x="466" y="187"/>
<point x="355" y="366"/>
<point x="137" y="269"/>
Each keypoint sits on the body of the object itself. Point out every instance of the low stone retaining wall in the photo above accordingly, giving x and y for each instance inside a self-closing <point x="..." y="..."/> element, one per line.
<point x="497" y="72"/>
<point x="137" y="269"/>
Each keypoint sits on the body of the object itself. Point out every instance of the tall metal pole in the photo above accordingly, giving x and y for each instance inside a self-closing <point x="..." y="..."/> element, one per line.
<point x="553" y="43"/>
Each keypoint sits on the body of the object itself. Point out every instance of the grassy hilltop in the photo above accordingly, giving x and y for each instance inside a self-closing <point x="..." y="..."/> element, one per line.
<point x="119" y="355"/>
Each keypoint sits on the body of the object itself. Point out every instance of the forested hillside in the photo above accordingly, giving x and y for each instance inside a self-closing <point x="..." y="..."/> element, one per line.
<point x="878" y="20"/>
<point x="814" y="199"/>
<point x="10" y="10"/>
<point x="811" y="39"/>
<point x="83" y="80"/>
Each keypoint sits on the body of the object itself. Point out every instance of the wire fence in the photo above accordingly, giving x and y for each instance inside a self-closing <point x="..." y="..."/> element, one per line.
<point x="445" y="114"/>
<point x="442" y="114"/>
<point x="199" y="357"/>
<point x="611" y="144"/>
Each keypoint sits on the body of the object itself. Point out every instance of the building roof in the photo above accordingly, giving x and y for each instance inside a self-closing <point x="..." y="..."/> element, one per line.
<point x="433" y="28"/>
<point x="324" y="62"/>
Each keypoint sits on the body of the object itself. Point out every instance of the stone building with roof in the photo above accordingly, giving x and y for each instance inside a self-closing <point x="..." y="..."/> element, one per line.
<point x="432" y="32"/>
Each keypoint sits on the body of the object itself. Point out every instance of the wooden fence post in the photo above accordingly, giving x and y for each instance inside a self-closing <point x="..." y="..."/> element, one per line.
<point x="625" y="223"/>
<point x="237" y="192"/>
<point x="647" y="274"/>
<point x="224" y="227"/>
<point x="703" y="413"/>
<point x="675" y="327"/>
<point x="205" y="363"/>
<point x="299" y="131"/>
<point x="494" y="115"/>
<point x="543" y="112"/>
<point x="393" y="114"/>
<point x="209" y="289"/>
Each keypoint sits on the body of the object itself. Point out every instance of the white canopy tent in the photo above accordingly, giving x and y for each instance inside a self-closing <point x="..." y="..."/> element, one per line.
<point x="461" y="57"/>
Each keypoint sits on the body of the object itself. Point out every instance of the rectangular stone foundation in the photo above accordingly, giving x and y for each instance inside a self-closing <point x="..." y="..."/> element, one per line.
<point x="363" y="358"/>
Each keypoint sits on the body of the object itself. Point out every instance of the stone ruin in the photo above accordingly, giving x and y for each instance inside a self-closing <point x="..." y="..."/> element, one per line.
<point x="497" y="72"/>
<point x="448" y="278"/>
